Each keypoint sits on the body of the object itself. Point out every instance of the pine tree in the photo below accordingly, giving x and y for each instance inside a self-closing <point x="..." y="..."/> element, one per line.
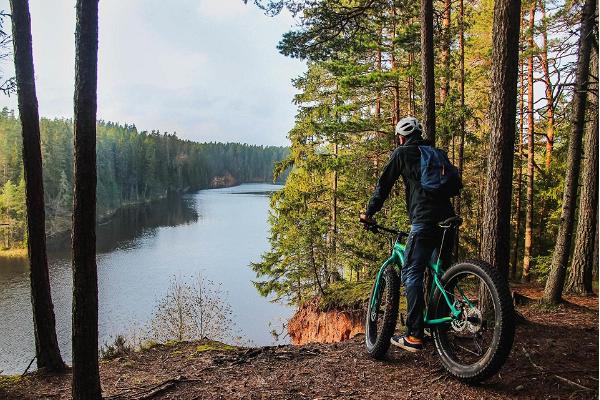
<point x="46" y="342"/>
<point x="86" y="373"/>
<point x="560" y="258"/>
<point x="505" y="59"/>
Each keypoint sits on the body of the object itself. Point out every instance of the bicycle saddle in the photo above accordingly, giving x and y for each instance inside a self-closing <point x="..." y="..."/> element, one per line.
<point x="450" y="222"/>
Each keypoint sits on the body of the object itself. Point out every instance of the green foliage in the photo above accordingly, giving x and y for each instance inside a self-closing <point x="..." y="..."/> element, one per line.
<point x="118" y="348"/>
<point x="364" y="73"/>
<point x="346" y="295"/>
<point x="132" y="167"/>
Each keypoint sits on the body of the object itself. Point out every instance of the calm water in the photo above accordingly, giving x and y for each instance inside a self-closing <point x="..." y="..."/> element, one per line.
<point x="215" y="232"/>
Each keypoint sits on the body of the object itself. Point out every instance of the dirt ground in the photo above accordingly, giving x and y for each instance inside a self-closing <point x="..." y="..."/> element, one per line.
<point x="555" y="355"/>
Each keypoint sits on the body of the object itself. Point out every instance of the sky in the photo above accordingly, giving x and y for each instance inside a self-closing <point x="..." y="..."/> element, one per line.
<point x="206" y="69"/>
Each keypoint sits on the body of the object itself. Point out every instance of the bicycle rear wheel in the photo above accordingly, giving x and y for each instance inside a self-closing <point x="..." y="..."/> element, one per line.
<point x="475" y="346"/>
<point x="381" y="320"/>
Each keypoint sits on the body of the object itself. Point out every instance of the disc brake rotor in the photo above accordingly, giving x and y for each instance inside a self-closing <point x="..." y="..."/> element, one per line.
<point x="473" y="319"/>
<point x="459" y="325"/>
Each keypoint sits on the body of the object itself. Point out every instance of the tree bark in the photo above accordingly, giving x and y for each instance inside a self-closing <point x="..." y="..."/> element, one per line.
<point x="530" y="151"/>
<point x="86" y="377"/>
<point x="580" y="277"/>
<point x="517" y="212"/>
<point x="46" y="343"/>
<point x="461" y="142"/>
<point x="427" y="71"/>
<point x="445" y="53"/>
<point x="549" y="91"/>
<point x="498" y="191"/>
<point x="560" y="258"/>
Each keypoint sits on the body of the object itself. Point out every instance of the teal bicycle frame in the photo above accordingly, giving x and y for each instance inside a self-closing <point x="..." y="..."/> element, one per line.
<point x="397" y="259"/>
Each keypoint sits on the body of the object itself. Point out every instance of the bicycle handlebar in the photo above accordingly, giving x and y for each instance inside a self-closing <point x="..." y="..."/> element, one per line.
<point x="375" y="228"/>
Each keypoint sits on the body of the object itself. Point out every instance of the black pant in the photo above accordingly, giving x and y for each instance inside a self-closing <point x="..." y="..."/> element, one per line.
<point x="422" y="247"/>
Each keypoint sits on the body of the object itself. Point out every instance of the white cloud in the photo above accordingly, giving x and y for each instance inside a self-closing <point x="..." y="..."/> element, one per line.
<point x="208" y="70"/>
<point x="222" y="10"/>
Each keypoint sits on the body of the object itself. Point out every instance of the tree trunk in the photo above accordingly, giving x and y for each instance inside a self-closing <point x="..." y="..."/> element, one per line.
<point x="517" y="212"/>
<point x="445" y="53"/>
<point x="530" y="151"/>
<point x="378" y="100"/>
<point x="461" y="142"/>
<point x="580" y="277"/>
<point x="427" y="71"/>
<point x="47" y="351"/>
<point x="596" y="256"/>
<point x="411" y="86"/>
<point x="560" y="258"/>
<point x="505" y="63"/>
<point x="549" y="92"/>
<point x="86" y="377"/>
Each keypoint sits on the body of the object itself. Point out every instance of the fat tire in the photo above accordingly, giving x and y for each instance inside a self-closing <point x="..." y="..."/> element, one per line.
<point x="505" y="324"/>
<point x="378" y="346"/>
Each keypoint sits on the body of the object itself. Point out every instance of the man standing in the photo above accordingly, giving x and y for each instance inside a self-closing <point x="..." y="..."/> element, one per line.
<point x="425" y="211"/>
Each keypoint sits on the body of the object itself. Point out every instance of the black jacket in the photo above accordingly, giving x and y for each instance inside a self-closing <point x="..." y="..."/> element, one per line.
<point x="423" y="208"/>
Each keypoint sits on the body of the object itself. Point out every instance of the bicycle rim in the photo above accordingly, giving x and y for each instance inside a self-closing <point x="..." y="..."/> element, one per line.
<point x="471" y="340"/>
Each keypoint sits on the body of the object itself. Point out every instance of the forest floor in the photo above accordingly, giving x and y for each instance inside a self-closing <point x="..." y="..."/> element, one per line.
<point x="555" y="355"/>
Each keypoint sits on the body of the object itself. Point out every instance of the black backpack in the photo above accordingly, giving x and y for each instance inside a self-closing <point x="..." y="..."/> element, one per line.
<point x="438" y="176"/>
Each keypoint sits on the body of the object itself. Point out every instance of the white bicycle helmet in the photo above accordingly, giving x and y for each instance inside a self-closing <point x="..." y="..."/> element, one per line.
<point x="407" y="126"/>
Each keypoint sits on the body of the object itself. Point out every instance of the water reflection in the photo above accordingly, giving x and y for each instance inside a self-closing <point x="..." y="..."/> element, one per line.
<point x="130" y="223"/>
<point x="214" y="232"/>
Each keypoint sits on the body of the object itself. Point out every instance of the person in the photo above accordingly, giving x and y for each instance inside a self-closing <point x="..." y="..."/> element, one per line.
<point x="425" y="211"/>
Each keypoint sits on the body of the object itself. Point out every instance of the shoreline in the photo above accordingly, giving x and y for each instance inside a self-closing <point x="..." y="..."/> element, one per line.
<point x="17" y="253"/>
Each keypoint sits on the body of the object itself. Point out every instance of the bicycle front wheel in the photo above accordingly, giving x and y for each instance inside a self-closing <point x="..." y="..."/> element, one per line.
<point x="381" y="319"/>
<point x="476" y="345"/>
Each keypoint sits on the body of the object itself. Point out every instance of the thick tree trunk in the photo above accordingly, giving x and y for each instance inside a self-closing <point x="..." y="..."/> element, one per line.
<point x="498" y="191"/>
<point x="560" y="258"/>
<point x="530" y="151"/>
<point x="46" y="344"/>
<point x="86" y="377"/>
<point x="427" y="71"/>
<point x="580" y="277"/>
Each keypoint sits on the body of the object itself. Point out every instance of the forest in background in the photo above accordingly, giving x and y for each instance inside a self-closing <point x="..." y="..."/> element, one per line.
<point x="364" y="74"/>
<point x="133" y="167"/>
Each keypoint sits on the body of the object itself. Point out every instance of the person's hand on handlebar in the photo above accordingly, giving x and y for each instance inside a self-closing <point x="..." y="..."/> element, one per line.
<point x="367" y="219"/>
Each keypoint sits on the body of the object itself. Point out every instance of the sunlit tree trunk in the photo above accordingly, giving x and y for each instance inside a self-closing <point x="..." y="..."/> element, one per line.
<point x="530" y="150"/>
<point x="548" y="83"/>
<point x="580" y="277"/>
<point x="46" y="343"/>
<point x="517" y="213"/>
<point x="461" y="142"/>
<point x="560" y="258"/>
<point x="498" y="192"/>
<point x="86" y="376"/>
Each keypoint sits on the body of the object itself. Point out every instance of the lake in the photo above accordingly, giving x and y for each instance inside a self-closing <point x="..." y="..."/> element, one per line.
<point x="215" y="232"/>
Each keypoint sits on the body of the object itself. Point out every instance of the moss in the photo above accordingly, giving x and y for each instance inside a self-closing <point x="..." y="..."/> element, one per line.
<point x="9" y="380"/>
<point x="212" y="345"/>
<point x="148" y="345"/>
<point x="171" y="343"/>
<point x="346" y="296"/>
<point x="15" y="253"/>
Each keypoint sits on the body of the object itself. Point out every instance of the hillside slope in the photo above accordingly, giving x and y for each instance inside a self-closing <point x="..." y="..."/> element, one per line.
<point x="555" y="356"/>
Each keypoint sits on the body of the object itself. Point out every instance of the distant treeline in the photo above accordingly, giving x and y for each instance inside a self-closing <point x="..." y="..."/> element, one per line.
<point x="133" y="167"/>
